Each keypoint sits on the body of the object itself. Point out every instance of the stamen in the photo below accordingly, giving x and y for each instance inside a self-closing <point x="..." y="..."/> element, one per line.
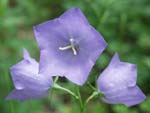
<point x="74" y="51"/>
<point x="65" y="48"/>
<point x="71" y="46"/>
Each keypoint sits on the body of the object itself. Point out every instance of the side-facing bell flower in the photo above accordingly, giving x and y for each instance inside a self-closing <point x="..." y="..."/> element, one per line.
<point x="28" y="83"/>
<point x="69" y="46"/>
<point x="118" y="83"/>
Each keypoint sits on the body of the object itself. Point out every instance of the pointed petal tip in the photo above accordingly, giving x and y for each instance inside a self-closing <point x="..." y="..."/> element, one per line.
<point x="35" y="28"/>
<point x="75" y="9"/>
<point x="136" y="102"/>
<point x="115" y="58"/>
<point x="116" y="54"/>
<point x="26" y="54"/>
<point x="10" y="97"/>
<point x="7" y="98"/>
<point x="133" y="67"/>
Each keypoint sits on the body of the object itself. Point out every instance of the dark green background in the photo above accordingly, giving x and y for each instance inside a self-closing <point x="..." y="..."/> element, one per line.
<point x="125" y="25"/>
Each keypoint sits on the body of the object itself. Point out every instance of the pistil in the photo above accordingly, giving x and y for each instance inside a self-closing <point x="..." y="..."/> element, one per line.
<point x="71" y="46"/>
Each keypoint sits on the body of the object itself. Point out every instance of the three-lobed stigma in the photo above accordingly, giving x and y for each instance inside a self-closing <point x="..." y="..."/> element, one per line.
<point x="71" y="46"/>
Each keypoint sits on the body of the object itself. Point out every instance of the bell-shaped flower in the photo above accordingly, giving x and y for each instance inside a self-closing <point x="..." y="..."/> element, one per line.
<point x="69" y="46"/>
<point x="28" y="83"/>
<point x="118" y="83"/>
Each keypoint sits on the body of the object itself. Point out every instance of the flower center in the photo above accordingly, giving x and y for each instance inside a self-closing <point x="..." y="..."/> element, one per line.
<point x="71" y="46"/>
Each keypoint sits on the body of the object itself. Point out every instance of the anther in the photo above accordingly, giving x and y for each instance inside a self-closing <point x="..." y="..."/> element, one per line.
<point x="65" y="48"/>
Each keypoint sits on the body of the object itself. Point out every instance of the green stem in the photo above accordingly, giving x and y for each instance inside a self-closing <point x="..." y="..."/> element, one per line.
<point x="82" y="107"/>
<point x="50" y="96"/>
<point x="12" y="107"/>
<point x="80" y="99"/>
<point x="56" y="86"/>
<point x="56" y="79"/>
<point x="92" y="87"/>
<point x="94" y="94"/>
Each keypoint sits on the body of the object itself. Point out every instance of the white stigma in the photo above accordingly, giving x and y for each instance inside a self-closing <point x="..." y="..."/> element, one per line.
<point x="71" y="46"/>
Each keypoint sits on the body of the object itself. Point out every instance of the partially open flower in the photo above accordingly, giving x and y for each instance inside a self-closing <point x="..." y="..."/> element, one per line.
<point x="118" y="83"/>
<point x="69" y="46"/>
<point x="28" y="83"/>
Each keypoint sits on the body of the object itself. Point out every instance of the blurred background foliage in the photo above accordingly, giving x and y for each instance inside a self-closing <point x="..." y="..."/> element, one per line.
<point x="125" y="25"/>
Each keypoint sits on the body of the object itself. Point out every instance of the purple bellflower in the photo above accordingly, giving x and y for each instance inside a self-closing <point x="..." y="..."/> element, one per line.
<point x="69" y="46"/>
<point x="118" y="83"/>
<point x="28" y="83"/>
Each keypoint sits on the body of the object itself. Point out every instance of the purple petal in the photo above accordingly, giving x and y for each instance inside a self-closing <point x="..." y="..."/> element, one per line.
<point x="52" y="35"/>
<point x="76" y="72"/>
<point x="24" y="69"/>
<point x="118" y="83"/>
<point x="26" y="54"/>
<point x="27" y="80"/>
<point x="128" y="96"/>
<point x="23" y="95"/>
<point x="118" y="74"/>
